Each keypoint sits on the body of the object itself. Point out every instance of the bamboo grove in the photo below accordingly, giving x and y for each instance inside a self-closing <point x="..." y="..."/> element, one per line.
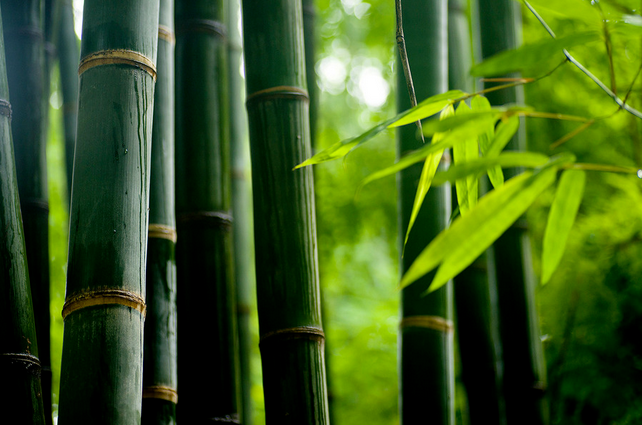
<point x="189" y="185"/>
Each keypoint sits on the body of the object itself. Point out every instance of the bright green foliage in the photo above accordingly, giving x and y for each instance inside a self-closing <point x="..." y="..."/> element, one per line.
<point x="468" y="187"/>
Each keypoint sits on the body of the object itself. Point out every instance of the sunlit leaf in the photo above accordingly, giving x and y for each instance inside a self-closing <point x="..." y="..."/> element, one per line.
<point x="467" y="150"/>
<point x="429" y="107"/>
<point x="531" y="55"/>
<point x="495" y="174"/>
<point x="463" y="121"/>
<point x="560" y="219"/>
<point x="481" y="165"/>
<point x="503" y="134"/>
<point x="575" y="10"/>
<point x="427" y="174"/>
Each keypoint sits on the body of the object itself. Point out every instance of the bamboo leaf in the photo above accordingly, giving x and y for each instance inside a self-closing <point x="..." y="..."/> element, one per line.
<point x="560" y="219"/>
<point x="462" y="122"/>
<point x="468" y="150"/>
<point x="531" y="55"/>
<point x="495" y="174"/>
<point x="427" y="174"/>
<point x="478" y="166"/>
<point x="503" y="134"/>
<point x="429" y="107"/>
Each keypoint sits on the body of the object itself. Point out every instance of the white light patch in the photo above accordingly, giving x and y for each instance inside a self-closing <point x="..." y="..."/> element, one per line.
<point x="373" y="87"/>
<point x="333" y="74"/>
<point x="78" y="7"/>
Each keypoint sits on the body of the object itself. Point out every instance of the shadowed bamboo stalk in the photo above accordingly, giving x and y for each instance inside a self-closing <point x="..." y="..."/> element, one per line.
<point x="475" y="287"/>
<point x="67" y="48"/>
<point x="21" y="393"/>
<point x="25" y="55"/>
<point x="524" y="381"/>
<point x="426" y="351"/>
<point x="292" y="338"/>
<point x="159" y="363"/>
<point x="242" y="207"/>
<point x="203" y="206"/>
<point x="101" y="376"/>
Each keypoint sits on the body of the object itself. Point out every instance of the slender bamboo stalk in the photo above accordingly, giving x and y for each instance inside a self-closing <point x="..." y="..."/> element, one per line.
<point x="292" y="338"/>
<point x="203" y="203"/>
<point x="242" y="207"/>
<point x="159" y="363"/>
<point x="426" y="329"/>
<point x="101" y="376"/>
<point x="524" y="381"/>
<point x="24" y="43"/>
<point x="67" y="48"/>
<point x="21" y="395"/>
<point x="475" y="287"/>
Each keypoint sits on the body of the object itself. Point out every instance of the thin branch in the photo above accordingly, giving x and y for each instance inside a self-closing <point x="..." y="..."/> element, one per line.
<point x="581" y="67"/>
<point x="572" y="134"/>
<point x="609" y="49"/>
<point x="401" y="43"/>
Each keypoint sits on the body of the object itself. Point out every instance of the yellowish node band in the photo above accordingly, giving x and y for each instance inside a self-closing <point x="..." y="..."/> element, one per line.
<point x="118" y="57"/>
<point x="162" y="231"/>
<point x="104" y="297"/>
<point x="431" y="322"/>
<point x="161" y="392"/>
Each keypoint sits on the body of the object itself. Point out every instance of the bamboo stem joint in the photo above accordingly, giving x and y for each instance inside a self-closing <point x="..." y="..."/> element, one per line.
<point x="299" y="332"/>
<point x="287" y="92"/>
<point x="118" y="57"/>
<point x="161" y="392"/>
<point x="104" y="297"/>
<point x="431" y="322"/>
<point x="161" y="231"/>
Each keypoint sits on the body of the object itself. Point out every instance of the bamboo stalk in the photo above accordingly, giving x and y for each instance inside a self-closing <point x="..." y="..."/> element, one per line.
<point x="203" y="202"/>
<point x="294" y="381"/>
<point x="101" y="376"/>
<point x="524" y="381"/>
<point x="25" y="55"/>
<point x="159" y="362"/>
<point x="67" y="48"/>
<point x="242" y="207"/>
<point x="426" y="330"/>
<point x="19" y="364"/>
<point x="475" y="287"/>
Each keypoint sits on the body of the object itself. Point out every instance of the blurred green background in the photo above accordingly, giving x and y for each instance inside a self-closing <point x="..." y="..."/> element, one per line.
<point x="591" y="311"/>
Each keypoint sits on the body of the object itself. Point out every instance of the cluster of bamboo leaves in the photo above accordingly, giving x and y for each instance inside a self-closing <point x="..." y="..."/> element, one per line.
<point x="478" y="134"/>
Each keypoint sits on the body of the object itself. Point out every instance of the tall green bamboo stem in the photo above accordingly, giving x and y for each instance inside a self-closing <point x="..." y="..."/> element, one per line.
<point x="203" y="203"/>
<point x="159" y="363"/>
<point x="292" y="338"/>
<point x="25" y="55"/>
<point x="475" y="287"/>
<point x="426" y="353"/>
<point x="67" y="48"/>
<point x="242" y="206"/>
<point x="21" y="395"/>
<point x="101" y="376"/>
<point x="524" y="378"/>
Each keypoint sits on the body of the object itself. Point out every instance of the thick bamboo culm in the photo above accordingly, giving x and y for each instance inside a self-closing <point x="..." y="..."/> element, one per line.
<point x="475" y="288"/>
<point x="21" y="401"/>
<point x="426" y="352"/>
<point x="25" y="56"/>
<point x="204" y="256"/>
<point x="292" y="338"/>
<point x="67" y="48"/>
<point x="101" y="376"/>
<point x="159" y="362"/>
<point x="242" y="207"/>
<point x="524" y="380"/>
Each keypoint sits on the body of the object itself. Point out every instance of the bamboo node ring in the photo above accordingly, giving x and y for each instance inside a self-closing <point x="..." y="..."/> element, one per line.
<point x="118" y="57"/>
<point x="299" y="332"/>
<point x="161" y="231"/>
<point x="161" y="392"/>
<point x="287" y="92"/>
<point x="431" y="322"/>
<point x="166" y="33"/>
<point x="104" y="297"/>
<point x="217" y="219"/>
<point x="209" y="26"/>
<point x="5" y="108"/>
<point x="29" y="361"/>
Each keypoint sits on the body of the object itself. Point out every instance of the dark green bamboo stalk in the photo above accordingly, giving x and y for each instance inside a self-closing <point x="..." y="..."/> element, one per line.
<point x="292" y="338"/>
<point x="21" y="394"/>
<point x="101" y="376"/>
<point x="242" y="207"/>
<point x="475" y="287"/>
<point x="426" y="329"/>
<point x="203" y="202"/>
<point x="67" y="48"/>
<point x="159" y="363"/>
<point x="24" y="43"/>
<point x="524" y="374"/>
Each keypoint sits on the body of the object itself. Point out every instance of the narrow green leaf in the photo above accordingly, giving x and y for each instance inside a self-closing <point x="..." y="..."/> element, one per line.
<point x="478" y="166"/>
<point x="427" y="173"/>
<point x="430" y="107"/>
<point x="503" y="134"/>
<point x="463" y="121"/>
<point x="531" y="55"/>
<point x="560" y="219"/>
<point x="495" y="174"/>
<point x="467" y="187"/>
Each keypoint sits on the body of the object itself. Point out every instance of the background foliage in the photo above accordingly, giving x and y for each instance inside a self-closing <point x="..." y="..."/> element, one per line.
<point x="591" y="310"/>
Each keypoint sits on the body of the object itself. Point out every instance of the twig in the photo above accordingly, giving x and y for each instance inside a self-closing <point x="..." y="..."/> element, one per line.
<point x="401" y="43"/>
